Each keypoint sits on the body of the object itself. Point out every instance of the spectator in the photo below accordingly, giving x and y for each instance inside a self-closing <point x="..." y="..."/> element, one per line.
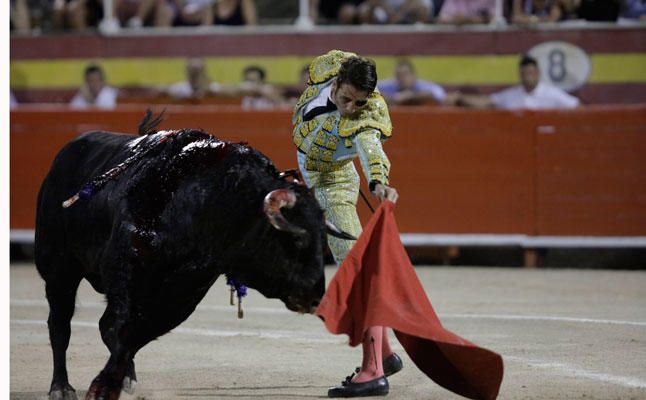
<point x="566" y="9"/>
<point x="94" y="92"/>
<point x="235" y="12"/>
<point x="138" y="13"/>
<point x="526" y="12"/>
<point x="344" y="12"/>
<point x="406" y="89"/>
<point x="196" y="12"/>
<point x="76" y="14"/>
<point x="19" y="16"/>
<point x="634" y="10"/>
<point x="197" y="84"/>
<point x="399" y="11"/>
<point x="599" y="10"/>
<point x="467" y="11"/>
<point x="530" y="94"/>
<point x="266" y="98"/>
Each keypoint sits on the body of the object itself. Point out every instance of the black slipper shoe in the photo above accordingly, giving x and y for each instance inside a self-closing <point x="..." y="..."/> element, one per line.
<point x="375" y="387"/>
<point x="392" y="365"/>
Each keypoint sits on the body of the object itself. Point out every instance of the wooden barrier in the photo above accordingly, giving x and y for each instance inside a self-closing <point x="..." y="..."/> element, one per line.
<point x="575" y="173"/>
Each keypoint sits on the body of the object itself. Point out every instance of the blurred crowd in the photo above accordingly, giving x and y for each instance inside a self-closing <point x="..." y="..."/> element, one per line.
<point x="56" y="15"/>
<point x="253" y="92"/>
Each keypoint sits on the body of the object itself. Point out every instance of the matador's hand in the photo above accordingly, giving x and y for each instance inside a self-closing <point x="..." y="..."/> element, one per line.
<point x="383" y="192"/>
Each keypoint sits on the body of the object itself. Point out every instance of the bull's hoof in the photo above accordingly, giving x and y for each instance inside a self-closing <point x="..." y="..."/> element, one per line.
<point x="62" y="392"/>
<point x="99" y="390"/>
<point x="129" y="385"/>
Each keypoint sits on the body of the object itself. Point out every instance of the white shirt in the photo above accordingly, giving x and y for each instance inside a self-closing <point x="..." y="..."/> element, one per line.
<point x="320" y="100"/>
<point x="257" y="103"/>
<point x="106" y="99"/>
<point x="184" y="90"/>
<point x="543" y="96"/>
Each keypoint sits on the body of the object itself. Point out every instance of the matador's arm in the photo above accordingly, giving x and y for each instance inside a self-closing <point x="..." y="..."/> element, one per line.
<point x="374" y="162"/>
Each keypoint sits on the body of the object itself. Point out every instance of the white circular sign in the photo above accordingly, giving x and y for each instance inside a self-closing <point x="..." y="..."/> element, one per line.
<point x="562" y="64"/>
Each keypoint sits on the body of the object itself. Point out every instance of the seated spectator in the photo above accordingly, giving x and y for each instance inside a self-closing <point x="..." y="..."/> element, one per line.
<point x="266" y="98"/>
<point x="565" y="10"/>
<point x="235" y="12"/>
<point x="399" y="11"/>
<point x="20" y="20"/>
<point x="633" y="10"/>
<point x="197" y="84"/>
<point x="599" y="10"/>
<point x="406" y="89"/>
<point x="344" y="12"/>
<point x="467" y="11"/>
<point x="526" y="12"/>
<point x="139" y="13"/>
<point x="196" y="12"/>
<point x="530" y="94"/>
<point x="76" y="14"/>
<point x="94" y="92"/>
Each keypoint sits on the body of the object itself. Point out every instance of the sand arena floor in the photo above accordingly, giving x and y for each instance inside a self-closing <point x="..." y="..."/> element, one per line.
<point x="564" y="334"/>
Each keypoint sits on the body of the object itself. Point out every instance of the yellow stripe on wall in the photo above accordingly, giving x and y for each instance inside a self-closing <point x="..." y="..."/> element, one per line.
<point x="451" y="70"/>
<point x="618" y="68"/>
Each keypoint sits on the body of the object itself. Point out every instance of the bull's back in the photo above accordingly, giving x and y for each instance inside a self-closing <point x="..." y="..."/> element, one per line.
<point x="81" y="160"/>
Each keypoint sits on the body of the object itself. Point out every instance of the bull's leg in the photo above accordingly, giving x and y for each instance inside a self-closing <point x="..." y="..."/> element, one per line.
<point x="124" y="339"/>
<point x="108" y="337"/>
<point x="61" y="294"/>
<point x="126" y="336"/>
<point x="114" y="326"/>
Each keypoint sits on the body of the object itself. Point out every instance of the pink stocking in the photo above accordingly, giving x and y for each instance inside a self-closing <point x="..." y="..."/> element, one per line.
<point x="386" y="350"/>
<point x="371" y="365"/>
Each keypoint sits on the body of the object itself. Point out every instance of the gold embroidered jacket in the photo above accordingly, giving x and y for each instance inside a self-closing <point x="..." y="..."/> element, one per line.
<point x="329" y="140"/>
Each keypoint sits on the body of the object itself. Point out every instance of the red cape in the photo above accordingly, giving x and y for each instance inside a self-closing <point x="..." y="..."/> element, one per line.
<point x="377" y="286"/>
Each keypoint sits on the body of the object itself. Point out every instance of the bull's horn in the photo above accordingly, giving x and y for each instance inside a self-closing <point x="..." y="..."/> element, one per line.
<point x="274" y="201"/>
<point x="336" y="232"/>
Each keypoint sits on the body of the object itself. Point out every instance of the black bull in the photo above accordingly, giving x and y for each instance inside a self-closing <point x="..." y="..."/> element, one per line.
<point x="173" y="212"/>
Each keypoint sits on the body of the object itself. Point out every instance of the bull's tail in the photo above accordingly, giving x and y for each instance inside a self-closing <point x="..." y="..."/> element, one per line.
<point x="149" y="124"/>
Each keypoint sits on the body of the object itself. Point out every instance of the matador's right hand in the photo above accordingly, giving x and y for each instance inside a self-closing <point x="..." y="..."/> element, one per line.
<point x="383" y="192"/>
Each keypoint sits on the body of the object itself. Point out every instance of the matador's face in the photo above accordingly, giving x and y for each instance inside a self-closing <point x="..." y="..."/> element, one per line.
<point x="348" y="99"/>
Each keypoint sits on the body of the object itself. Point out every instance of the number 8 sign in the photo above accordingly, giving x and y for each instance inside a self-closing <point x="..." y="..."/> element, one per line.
<point x="562" y="64"/>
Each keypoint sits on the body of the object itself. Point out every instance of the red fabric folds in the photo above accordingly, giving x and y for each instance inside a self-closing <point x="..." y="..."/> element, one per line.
<point x="377" y="286"/>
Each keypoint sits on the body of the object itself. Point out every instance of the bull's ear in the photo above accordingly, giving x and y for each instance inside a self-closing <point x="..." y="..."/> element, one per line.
<point x="336" y="232"/>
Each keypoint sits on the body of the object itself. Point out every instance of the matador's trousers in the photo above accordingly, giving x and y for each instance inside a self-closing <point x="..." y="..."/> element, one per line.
<point x="337" y="192"/>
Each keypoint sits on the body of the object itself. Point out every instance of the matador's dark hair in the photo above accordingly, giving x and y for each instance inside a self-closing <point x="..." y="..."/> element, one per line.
<point x="359" y="72"/>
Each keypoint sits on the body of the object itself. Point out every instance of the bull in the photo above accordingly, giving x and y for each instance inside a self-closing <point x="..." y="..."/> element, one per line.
<point x="158" y="218"/>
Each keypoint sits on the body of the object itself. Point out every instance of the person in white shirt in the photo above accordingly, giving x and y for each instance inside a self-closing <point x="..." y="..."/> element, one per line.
<point x="407" y="89"/>
<point x="95" y="92"/>
<point x="531" y="94"/>
<point x="267" y="98"/>
<point x="198" y="85"/>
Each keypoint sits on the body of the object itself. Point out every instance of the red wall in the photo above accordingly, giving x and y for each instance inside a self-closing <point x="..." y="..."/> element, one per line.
<point x="578" y="172"/>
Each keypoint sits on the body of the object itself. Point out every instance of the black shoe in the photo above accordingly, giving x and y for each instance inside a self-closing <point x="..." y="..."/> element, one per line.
<point x="392" y="364"/>
<point x="375" y="387"/>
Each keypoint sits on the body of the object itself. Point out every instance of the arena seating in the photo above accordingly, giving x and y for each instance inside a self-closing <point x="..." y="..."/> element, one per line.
<point x="467" y="178"/>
